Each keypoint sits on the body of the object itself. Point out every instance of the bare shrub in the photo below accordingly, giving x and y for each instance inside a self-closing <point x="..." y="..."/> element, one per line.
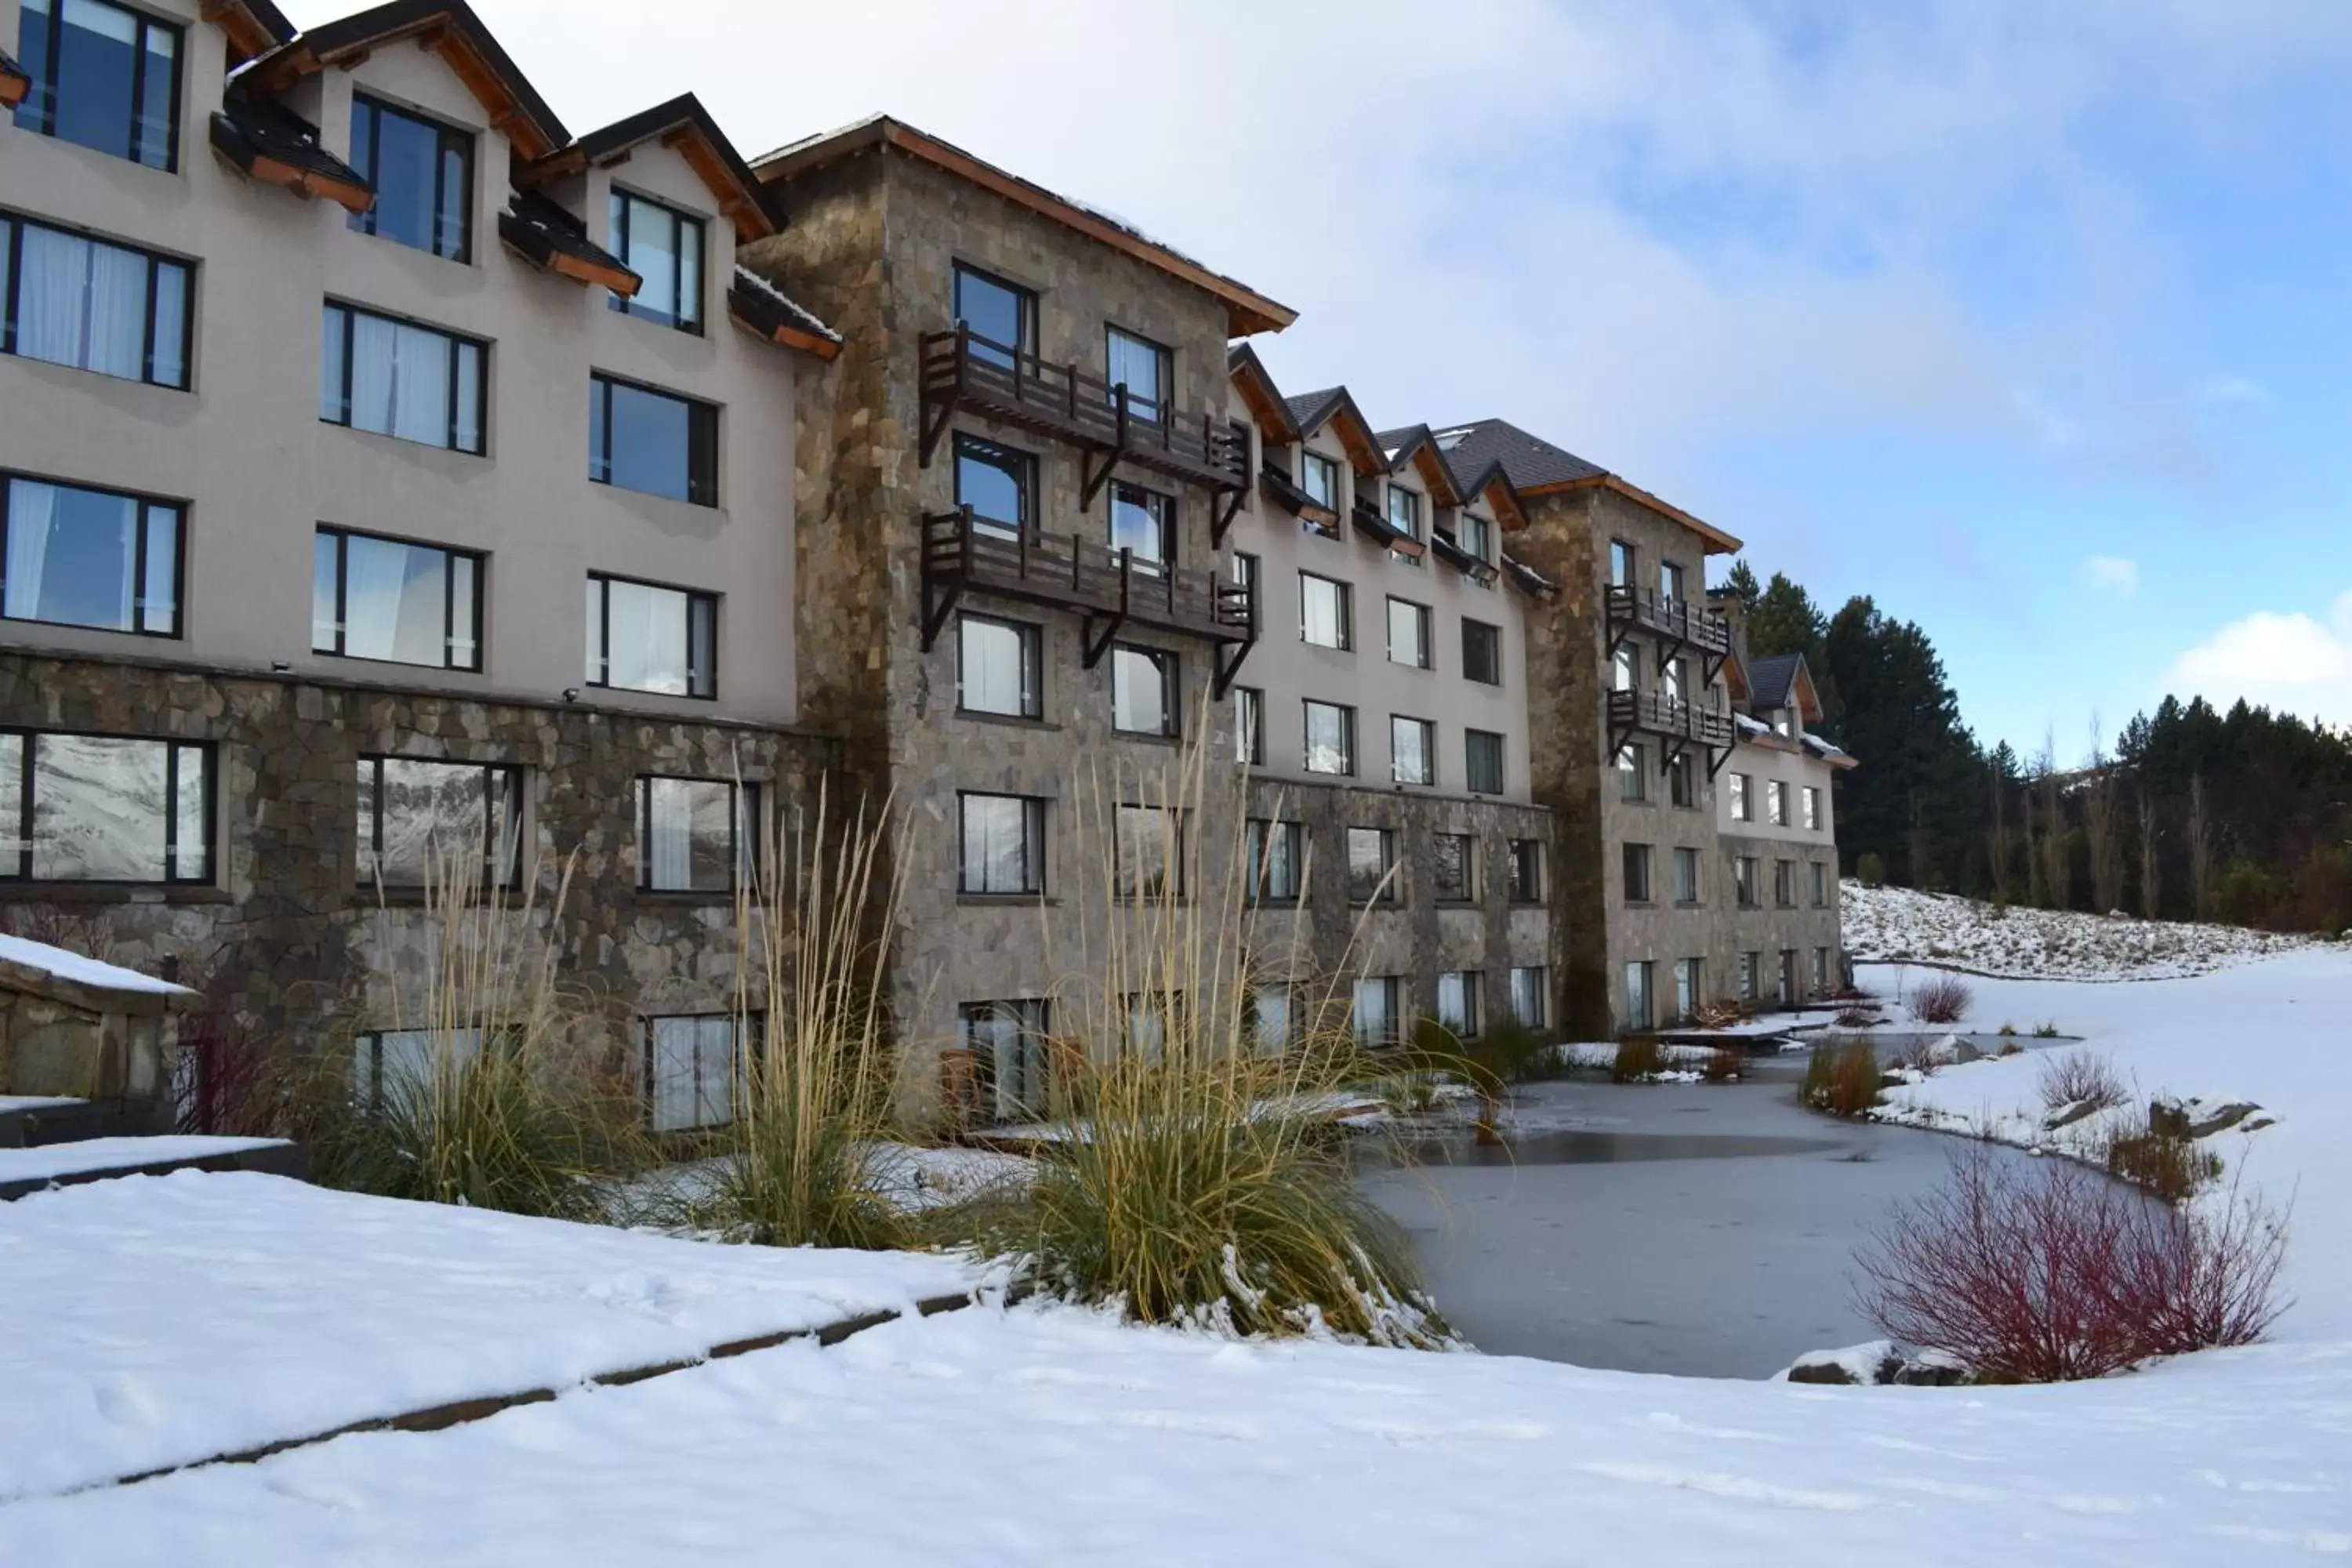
<point x="1917" y="1055"/>
<point x="2166" y="1165"/>
<point x="2080" y="1077"/>
<point x="1943" y="999"/>
<point x="2051" y="1273"/>
<point x="1856" y="1017"/>
<point x="1723" y="1065"/>
<point x="1638" y="1058"/>
<point x="1842" y="1080"/>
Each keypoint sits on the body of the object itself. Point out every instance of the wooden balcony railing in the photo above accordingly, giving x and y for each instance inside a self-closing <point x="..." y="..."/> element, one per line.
<point x="1110" y="587"/>
<point x="963" y="371"/>
<point x="1654" y="713"/>
<point x="1676" y="620"/>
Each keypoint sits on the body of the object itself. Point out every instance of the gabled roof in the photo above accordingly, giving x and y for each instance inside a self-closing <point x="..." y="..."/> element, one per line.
<point x="450" y="29"/>
<point x="267" y="142"/>
<point x="549" y="236"/>
<point x="1538" y="467"/>
<point x="1493" y="483"/>
<point x="1255" y="383"/>
<point x="1247" y="310"/>
<point x="1415" y="445"/>
<point x="761" y="308"/>
<point x="1311" y="411"/>
<point x="1779" y="680"/>
<point x="681" y="123"/>
<point x="14" y="83"/>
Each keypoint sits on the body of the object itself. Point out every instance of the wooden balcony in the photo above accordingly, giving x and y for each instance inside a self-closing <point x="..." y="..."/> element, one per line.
<point x="1634" y="713"/>
<point x="1676" y="620"/>
<point x="1110" y="588"/>
<point x="963" y="371"/>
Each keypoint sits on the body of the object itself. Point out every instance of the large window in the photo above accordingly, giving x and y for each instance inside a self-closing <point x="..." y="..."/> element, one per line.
<point x="1324" y="614"/>
<point x="1149" y="841"/>
<point x="396" y="378"/>
<point x="640" y="439"/>
<point x="426" y="823"/>
<point x="1637" y="858"/>
<point x="1000" y="312"/>
<point x="1621" y="564"/>
<point x="1529" y="992"/>
<point x="1142" y="522"/>
<point x="1482" y="762"/>
<point x="75" y="556"/>
<point x="1377" y="1013"/>
<point x="663" y="246"/>
<point x="1319" y="476"/>
<point x="1143" y="367"/>
<point x="1413" y="751"/>
<point x="74" y="301"/>
<point x="1143" y="690"/>
<point x="388" y="599"/>
<point x="999" y="484"/>
<point x="103" y="76"/>
<point x="1003" y="844"/>
<point x="404" y="1067"/>
<point x="1482" y="652"/>
<point x="1330" y="738"/>
<point x="692" y="1065"/>
<point x="1277" y="855"/>
<point x="1249" y="726"/>
<point x="104" y="808"/>
<point x="997" y="667"/>
<point x="1527" y="871"/>
<point x="1372" y="857"/>
<point x="1458" y="1002"/>
<point x="1407" y="633"/>
<point x="1009" y="1056"/>
<point x="696" y="835"/>
<point x="1456" y="858"/>
<point x="423" y="173"/>
<point x="1670" y="583"/>
<point x="645" y="638"/>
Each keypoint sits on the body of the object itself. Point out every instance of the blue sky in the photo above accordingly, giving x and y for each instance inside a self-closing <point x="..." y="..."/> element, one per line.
<point x="2030" y="319"/>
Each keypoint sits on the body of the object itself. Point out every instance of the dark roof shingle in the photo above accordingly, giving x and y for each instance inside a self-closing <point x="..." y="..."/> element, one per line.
<point x="1531" y="460"/>
<point x="1772" y="679"/>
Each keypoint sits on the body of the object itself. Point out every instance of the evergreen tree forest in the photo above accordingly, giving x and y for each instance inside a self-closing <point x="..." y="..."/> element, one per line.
<point x="2191" y="813"/>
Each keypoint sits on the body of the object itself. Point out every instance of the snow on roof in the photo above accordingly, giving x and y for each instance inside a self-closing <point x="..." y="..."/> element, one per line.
<point x="860" y="123"/>
<point x="81" y="970"/>
<point x="748" y="278"/>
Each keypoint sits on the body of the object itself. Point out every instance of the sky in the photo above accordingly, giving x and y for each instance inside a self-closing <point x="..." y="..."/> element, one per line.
<point x="2029" y="320"/>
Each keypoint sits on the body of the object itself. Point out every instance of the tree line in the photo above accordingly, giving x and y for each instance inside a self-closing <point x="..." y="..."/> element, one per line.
<point x="2191" y="813"/>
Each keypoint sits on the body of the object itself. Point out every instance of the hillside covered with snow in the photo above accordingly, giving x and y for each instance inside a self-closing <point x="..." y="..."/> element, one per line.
<point x="1893" y="924"/>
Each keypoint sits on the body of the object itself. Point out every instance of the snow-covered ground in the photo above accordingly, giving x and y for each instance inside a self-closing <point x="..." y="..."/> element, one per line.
<point x="1893" y="923"/>
<point x="88" y="1154"/>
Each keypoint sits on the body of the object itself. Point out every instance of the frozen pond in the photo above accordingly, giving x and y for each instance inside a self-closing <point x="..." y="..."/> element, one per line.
<point x="1701" y="1229"/>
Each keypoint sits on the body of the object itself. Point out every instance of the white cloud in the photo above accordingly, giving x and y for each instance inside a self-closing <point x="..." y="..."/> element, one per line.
<point x="2293" y="662"/>
<point x="2112" y="574"/>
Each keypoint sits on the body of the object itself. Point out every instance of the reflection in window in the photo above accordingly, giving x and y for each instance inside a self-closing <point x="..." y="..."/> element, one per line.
<point x="1456" y="858"/>
<point x="429" y="824"/>
<point x="1324" y="615"/>
<point x="997" y="667"/>
<point x="102" y="808"/>
<point x="1143" y="690"/>
<point x="1413" y="751"/>
<point x="1249" y="726"/>
<point x="1408" y="634"/>
<point x="1011" y="1060"/>
<point x="1330" y="738"/>
<point x="383" y="598"/>
<point x="396" y="378"/>
<point x="642" y="638"/>
<point x="1482" y="653"/>
<point x="103" y="76"/>
<point x="1140" y="524"/>
<point x="1142" y="367"/>
<point x="1003" y="315"/>
<point x="640" y="439"/>
<point x="80" y="557"/>
<point x="696" y="835"/>
<point x="1276" y="856"/>
<point x="999" y="484"/>
<point x="1003" y="844"/>
<point x="423" y="174"/>
<point x="1271" y="1022"/>
<point x="664" y="248"/>
<point x="73" y="300"/>
<point x="1371" y="854"/>
<point x="1149" y="849"/>
<point x="1527" y="993"/>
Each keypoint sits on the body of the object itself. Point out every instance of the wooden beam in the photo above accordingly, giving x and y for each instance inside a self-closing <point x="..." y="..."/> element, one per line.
<point x="13" y="88"/>
<point x="310" y="182"/>
<point x="791" y="338"/>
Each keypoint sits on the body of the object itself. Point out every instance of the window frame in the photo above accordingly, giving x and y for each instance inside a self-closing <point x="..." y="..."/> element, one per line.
<point x="1162" y="400"/>
<point x="349" y="327"/>
<point x="740" y="1027"/>
<point x="1646" y="1017"/>
<point x="1345" y="611"/>
<point x="141" y="547"/>
<point x="207" y="753"/>
<point x="1030" y="638"/>
<point x="1132" y="887"/>
<point x="1747" y="881"/>
<point x="1775" y="802"/>
<point x="1424" y="624"/>
<point x="1034" y="862"/>
<point x="742" y="846"/>
<point x="701" y="438"/>
<point x="1249" y="726"/>
<point x="602" y="680"/>
<point x="1469" y="984"/>
<point x="1682" y="782"/>
<point x="1030" y="1019"/>
<point x="1427" y="729"/>
<point x="1025" y="303"/>
<point x="1470" y="771"/>
<point x="1492" y="642"/>
<point x="1310" y="459"/>
<point x="1258" y="834"/>
<point x="1348" y="737"/>
<point x="1160" y="507"/>
<point x="1016" y="464"/>
<point x="1686" y="859"/>
<point x="1742" y="796"/>
<point x="1690" y="988"/>
<point x="1632" y="768"/>
<point x="1464" y="888"/>
<point x="502" y="786"/>
<point x="1527" y="855"/>
<point x="1810" y="800"/>
<point x="620" y="204"/>
<point x="1537" y="988"/>
<point x="1388" y="887"/>
<point x="1784" y="884"/>
<point x="1638" y="872"/>
<point x="1389" y="988"/>
<point x="1170" y="666"/>
<point x="1820" y="879"/>
<point x="342" y="537"/>
<point x="1624" y="563"/>
<point x="12" y="267"/>
<point x="450" y="136"/>
<point x="45" y="75"/>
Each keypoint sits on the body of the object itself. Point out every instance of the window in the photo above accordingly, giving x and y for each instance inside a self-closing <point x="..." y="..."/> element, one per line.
<point x="1376" y="1010"/>
<point x="1245" y="572"/>
<point x="1475" y="536"/>
<point x="1682" y="780"/>
<point x="1775" y="802"/>
<point x="1632" y="772"/>
<point x="1141" y="523"/>
<point x="402" y="1065"/>
<point x="1670" y="583"/>
<point x="1621" y="564"/>
<point x="1413" y="751"/>
<point x="1745" y="873"/>
<point x="1149" y="1016"/>
<point x="424" y="824"/>
<point x="1011" y="1061"/>
<point x="1637" y="873"/>
<point x="1142" y="367"/>
<point x="1371" y="855"/>
<point x="1482" y="762"/>
<point x="1003" y="845"/>
<point x="1482" y="653"/>
<point x="1784" y="722"/>
<point x="1529" y="991"/>
<point x="664" y="248"/>
<point x="1458" y="1002"/>
<point x="999" y="484"/>
<point x="83" y="302"/>
<point x="102" y="808"/>
<point x="1686" y="876"/>
<point x="1002" y="317"/>
<point x="1749" y="965"/>
<point x="102" y="77"/>
<point x="1150" y="844"/>
<point x="1687" y="993"/>
<point x="75" y="556"/>
<point x="1143" y="690"/>
<point x="1821" y="971"/>
<point x="640" y="439"/>
<point x="1405" y="516"/>
<point x="1276" y="853"/>
<point x="1324" y="612"/>
<point x="1672" y="676"/>
<point x="1526" y="870"/>
<point x="1639" y="1006"/>
<point x="1408" y="634"/>
<point x="644" y="637"/>
<point x="1249" y="726"/>
<point x="692" y="1065"/>
<point x="1621" y="669"/>
<point x="696" y="835"/>
<point x="1741" y="810"/>
<point x="1820" y="885"/>
<point x="1784" y="883"/>
<point x="997" y="667"/>
<point x="1270" y="1019"/>
<point x="1319" y="476"/>
<point x="1812" y="802"/>
<point x="1330" y="738"/>
<point x="423" y="173"/>
<point x="1456" y="855"/>
<point x="395" y="378"/>
<point x="1788" y="986"/>
<point x="387" y="599"/>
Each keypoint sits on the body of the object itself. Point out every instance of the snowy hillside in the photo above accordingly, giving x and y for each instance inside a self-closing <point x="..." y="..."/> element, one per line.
<point x="1888" y="924"/>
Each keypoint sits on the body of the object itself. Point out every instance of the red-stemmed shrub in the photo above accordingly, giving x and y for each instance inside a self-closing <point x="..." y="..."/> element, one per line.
<point x="1943" y="999"/>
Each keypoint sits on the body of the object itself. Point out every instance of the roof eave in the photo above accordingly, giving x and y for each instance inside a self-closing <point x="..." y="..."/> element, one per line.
<point x="1718" y="542"/>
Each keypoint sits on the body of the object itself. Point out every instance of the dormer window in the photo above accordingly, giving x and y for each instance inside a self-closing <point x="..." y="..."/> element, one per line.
<point x="1475" y="534"/>
<point x="422" y="175"/>
<point x="663" y="246"/>
<point x="103" y="76"/>
<point x="1319" y="476"/>
<point x="1405" y="516"/>
<point x="1785" y="722"/>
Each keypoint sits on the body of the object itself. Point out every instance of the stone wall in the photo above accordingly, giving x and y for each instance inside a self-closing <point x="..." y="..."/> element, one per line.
<point x="284" y="939"/>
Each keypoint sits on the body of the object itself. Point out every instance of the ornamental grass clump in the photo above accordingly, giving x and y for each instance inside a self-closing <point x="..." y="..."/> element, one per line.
<point x="1639" y="1059"/>
<point x="1842" y="1079"/>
